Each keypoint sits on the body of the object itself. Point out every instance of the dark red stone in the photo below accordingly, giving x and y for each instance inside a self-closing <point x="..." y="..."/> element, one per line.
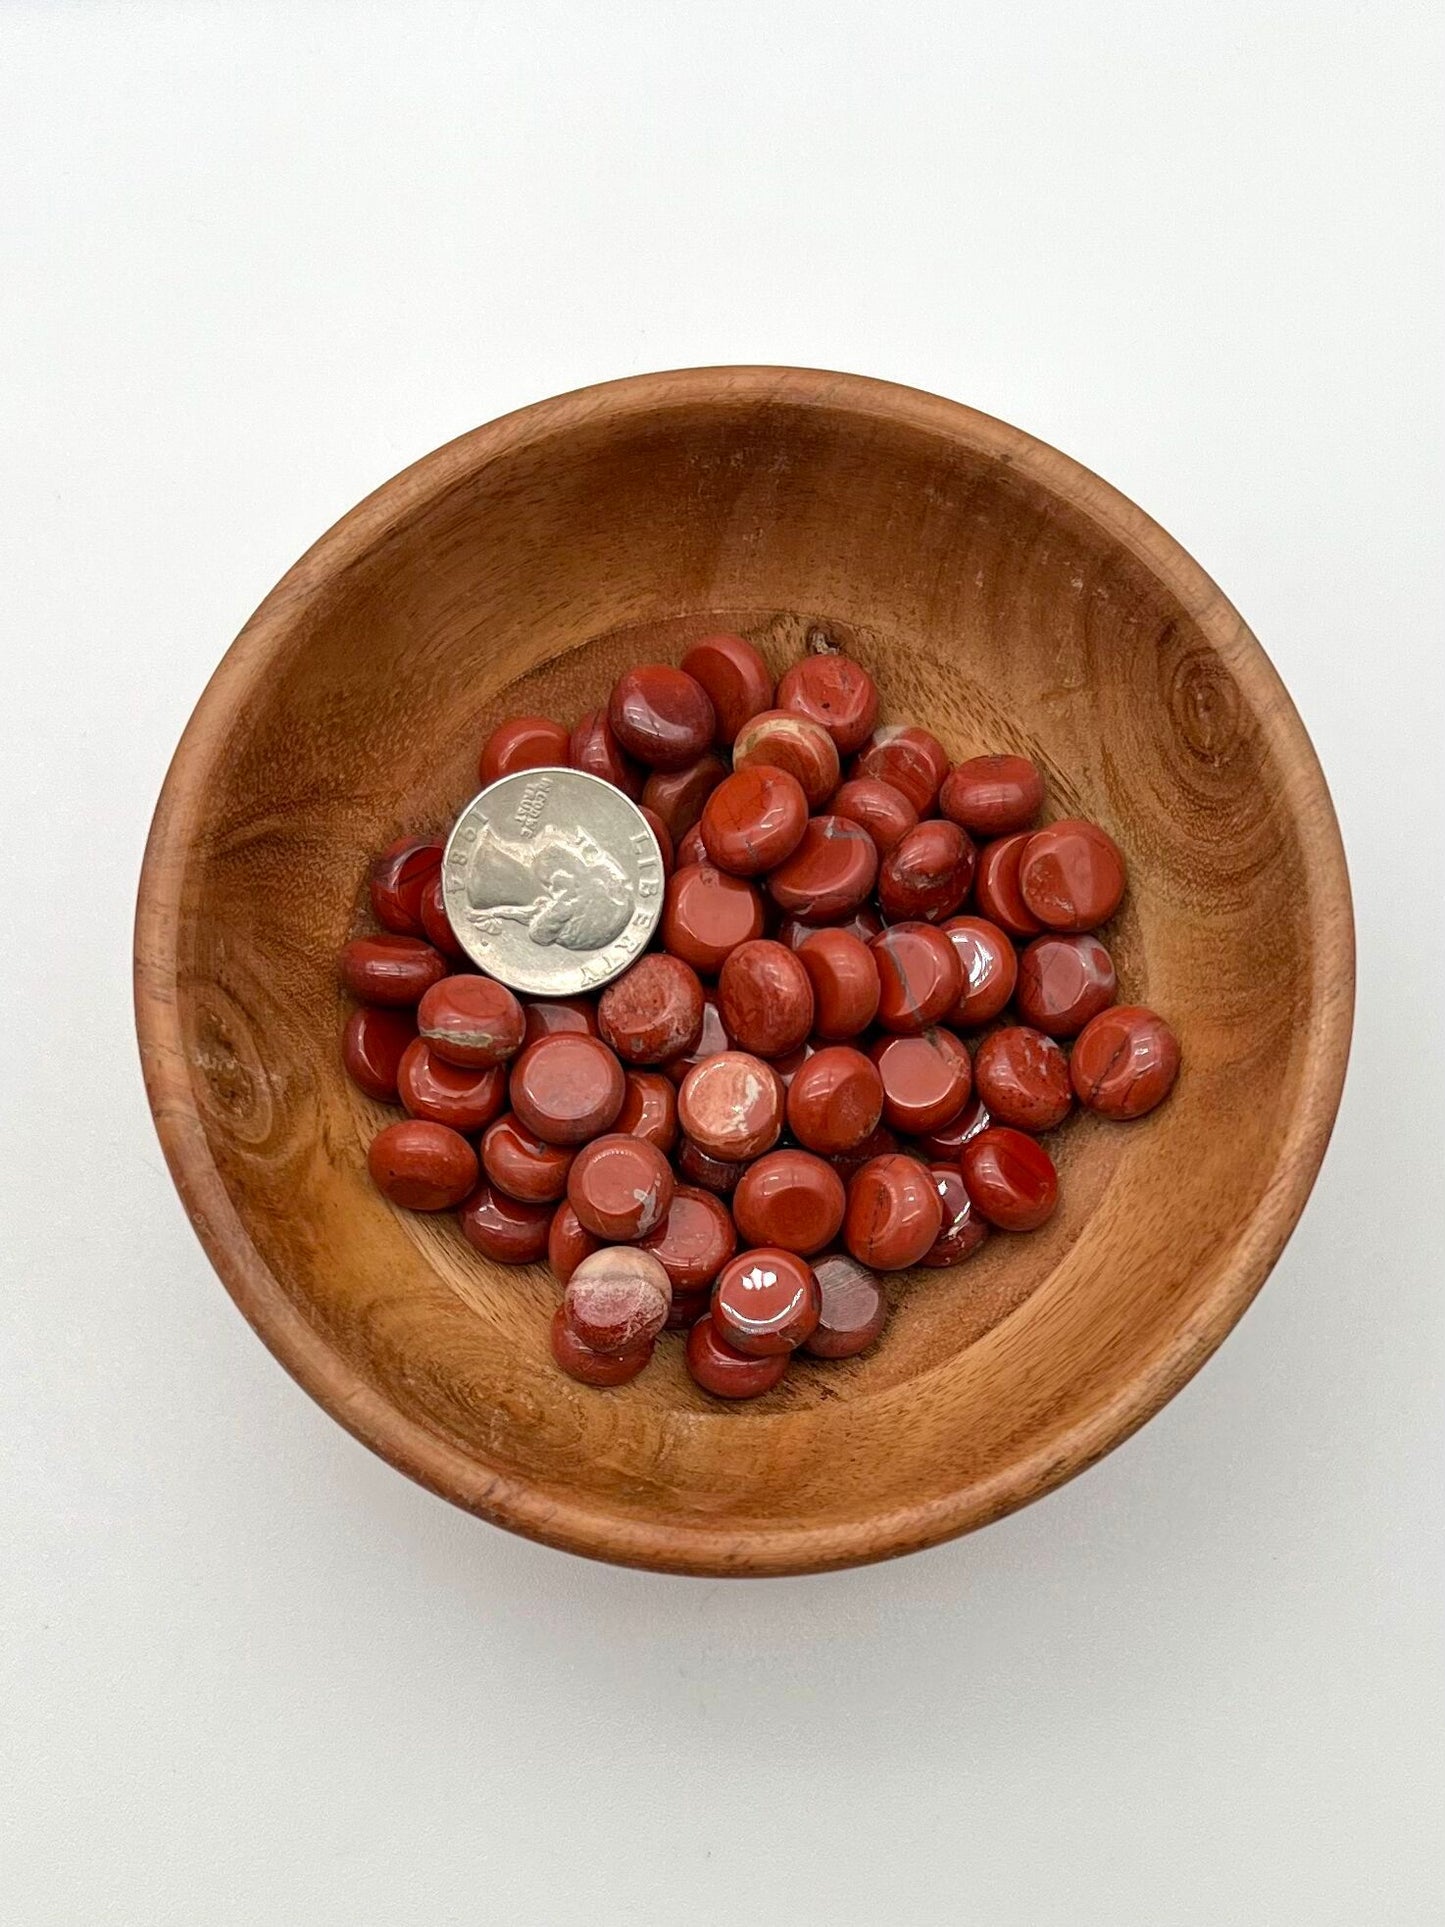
<point x="601" y="1369"/>
<point x="926" y="1080"/>
<point x="829" y="875"/>
<point x="919" y="976"/>
<point x="466" y="1098"/>
<point x="617" y="1298"/>
<point x="471" y="1020"/>
<point x="835" y="691"/>
<point x="724" y="1371"/>
<point x="790" y="1199"/>
<point x="422" y="1166"/>
<point x="765" y="998"/>
<point x="649" y="1109"/>
<point x="883" y="811"/>
<point x="909" y="758"/>
<point x="736" y="678"/>
<point x="398" y="878"/>
<point x="526" y="742"/>
<point x="844" y="975"/>
<point x="835" y="1100"/>
<point x="706" y="914"/>
<point x="765" y="1301"/>
<point x="568" y="1242"/>
<point x="620" y="1187"/>
<point x="1124" y="1061"/>
<point x="594" y="749"/>
<point x="731" y="1106"/>
<point x="894" y="1213"/>
<point x="928" y="873"/>
<point x="964" y="1231"/>
<point x="389" y="969"/>
<point x="1023" y="1078"/>
<point x="661" y="715"/>
<point x="437" y="925"/>
<point x="373" y="1045"/>
<point x="944" y="1144"/>
<point x="793" y="743"/>
<point x="754" y="820"/>
<point x="993" y="795"/>
<point x="1010" y="1178"/>
<point x="679" y="796"/>
<point x="854" y="1308"/>
<point x="567" y="1088"/>
<point x="990" y="969"/>
<point x="996" y="893"/>
<point x="1064" y="981"/>
<point x="1071" y="875"/>
<point x="519" y="1163"/>
<point x="652" y="1013"/>
<point x="693" y="1242"/>
<point x="546" y="1016"/>
<point x="505" y="1229"/>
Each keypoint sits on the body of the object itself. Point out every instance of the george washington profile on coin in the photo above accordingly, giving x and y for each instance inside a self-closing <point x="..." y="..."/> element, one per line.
<point x="561" y="886"/>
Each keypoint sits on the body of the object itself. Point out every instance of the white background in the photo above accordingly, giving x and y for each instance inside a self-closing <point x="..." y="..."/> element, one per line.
<point x="252" y="260"/>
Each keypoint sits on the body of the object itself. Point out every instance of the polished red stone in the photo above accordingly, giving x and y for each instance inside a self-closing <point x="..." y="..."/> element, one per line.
<point x="567" y="1088"/>
<point x="919" y="976"/>
<point x="519" y="1163"/>
<point x="835" y="691"/>
<point x="652" y="1013"/>
<point x="1124" y="1061"/>
<point x="880" y="1143"/>
<point x="1063" y="981"/>
<point x="926" y="1080"/>
<point x="471" y="1020"/>
<point x="736" y="678"/>
<point x="620" y="1187"/>
<point x="690" y="849"/>
<point x="909" y="758"/>
<point x="665" y="847"/>
<point x="466" y="1097"/>
<point x="437" y="925"/>
<point x="844" y="976"/>
<point x="721" y="1369"/>
<point x="993" y="795"/>
<point x="706" y="914"/>
<point x="505" y="1229"/>
<point x="793" y="743"/>
<point x="714" y="1038"/>
<point x="928" y="872"/>
<point x="398" y="878"/>
<point x="894" y="1213"/>
<point x="944" y="1144"/>
<point x="883" y="811"/>
<point x="373" y="1045"/>
<point x="594" y="749"/>
<point x="731" y="1106"/>
<point x="835" y="1100"/>
<point x="1023" y="1078"/>
<point x="568" y="1242"/>
<point x="526" y="742"/>
<point x="791" y="1199"/>
<point x="390" y="969"/>
<point x="765" y="1301"/>
<point x="990" y="969"/>
<point x="422" y="1166"/>
<point x="678" y="796"/>
<point x="686" y="1308"/>
<point x="854" y="1308"/>
<point x="545" y="1016"/>
<point x="661" y="715"/>
<point x="719" y="1175"/>
<point x="1071" y="875"/>
<point x="829" y="875"/>
<point x="649" y="1109"/>
<point x="996" y="893"/>
<point x="1010" y="1178"/>
<point x="864" y="924"/>
<point x="765" y="998"/>
<point x="754" y="820"/>
<point x="964" y="1230"/>
<point x="617" y="1298"/>
<point x="603" y="1370"/>
<point x="693" y="1242"/>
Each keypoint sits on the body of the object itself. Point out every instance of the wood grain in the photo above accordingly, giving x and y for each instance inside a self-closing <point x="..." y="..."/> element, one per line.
<point x="1002" y="595"/>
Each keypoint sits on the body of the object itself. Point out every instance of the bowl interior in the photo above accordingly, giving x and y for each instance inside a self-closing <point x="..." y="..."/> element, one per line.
<point x="999" y="595"/>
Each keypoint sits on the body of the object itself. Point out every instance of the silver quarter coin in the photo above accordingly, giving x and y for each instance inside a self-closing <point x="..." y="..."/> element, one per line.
<point x="552" y="881"/>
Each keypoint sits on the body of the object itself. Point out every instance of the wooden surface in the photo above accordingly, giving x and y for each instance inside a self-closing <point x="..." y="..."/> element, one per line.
<point x="1000" y="594"/>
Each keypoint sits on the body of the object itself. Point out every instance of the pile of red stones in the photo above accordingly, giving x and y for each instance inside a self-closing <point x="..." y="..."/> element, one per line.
<point x="778" y="1102"/>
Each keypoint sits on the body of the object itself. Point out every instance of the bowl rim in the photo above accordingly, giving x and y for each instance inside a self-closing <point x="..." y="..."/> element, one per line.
<point x="561" y="1519"/>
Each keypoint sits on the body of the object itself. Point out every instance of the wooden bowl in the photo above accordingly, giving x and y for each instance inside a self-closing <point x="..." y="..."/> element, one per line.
<point x="1003" y="596"/>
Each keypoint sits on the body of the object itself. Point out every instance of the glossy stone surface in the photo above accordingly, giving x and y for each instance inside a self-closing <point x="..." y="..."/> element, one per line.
<point x="679" y="795"/>
<point x="996" y="893"/>
<point x="686" y="1308"/>
<point x="880" y="1143"/>
<point x="567" y="1088"/>
<point x="693" y="1242"/>
<point x="620" y="1187"/>
<point x="883" y="811"/>
<point x="465" y="1097"/>
<point x="790" y="1199"/>
<point x="731" y="1106"/>
<point x="436" y="924"/>
<point x="765" y="998"/>
<point x="706" y="914"/>
<point x="854" y="1308"/>
<point x="666" y="847"/>
<point x="990" y="969"/>
<point x="389" y="969"/>
<point x="398" y="878"/>
<point x="993" y="795"/>
<point x="719" y="1175"/>
<point x="724" y="1371"/>
<point x="844" y="976"/>
<point x="505" y="1229"/>
<point x="834" y="690"/>
<point x="690" y="849"/>
<point x="1010" y="1178"/>
<point x="1023" y="1078"/>
<point x="944" y="1144"/>
<point x="737" y="680"/>
<point x="519" y="1163"/>
<point x="864" y="924"/>
<point x="471" y="1020"/>
<point x="919" y="976"/>
<point x="909" y="758"/>
<point x="793" y="743"/>
<point x="661" y="715"/>
<point x="754" y="820"/>
<point x="649" y="1109"/>
<point x="652" y="1013"/>
<point x="568" y="1242"/>
<point x="829" y="875"/>
<point x="616" y="1300"/>
<point x="373" y="1044"/>
<point x="963" y="1230"/>
<point x="422" y="1166"/>
<point x="526" y="742"/>
<point x="1124" y="1061"/>
<point x="543" y="1017"/>
<point x="835" y="1100"/>
<point x="894" y="1214"/>
<point x="926" y="1080"/>
<point x="1071" y="875"/>
<point x="928" y="872"/>
<point x="714" y="1038"/>
<point x="593" y="747"/>
<point x="765" y="1302"/>
<point x="602" y="1370"/>
<point x="1063" y="981"/>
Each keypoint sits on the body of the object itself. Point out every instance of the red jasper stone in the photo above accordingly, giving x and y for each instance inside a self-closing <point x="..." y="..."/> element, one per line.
<point x="844" y="976"/>
<point x="996" y="891"/>
<point x="567" y="1088"/>
<point x="765" y="1301"/>
<point x="854" y="1308"/>
<point x="693" y="1243"/>
<point x="919" y="976"/>
<point x="471" y="1020"/>
<point x="686" y="1308"/>
<point x="652" y="1013"/>
<point x="864" y="924"/>
<point x="754" y="820"/>
<point x="526" y="742"/>
<point x="373" y="1045"/>
<point x="928" y="873"/>
<point x="835" y="691"/>
<point x="829" y="875"/>
<point x="706" y="914"/>
<point x="721" y="1369"/>
<point x="790" y="1199"/>
<point x="883" y="811"/>
<point x="690" y="849"/>
<point x="964" y="1231"/>
<point x="678" y="796"/>
<point x="649" y="1110"/>
<point x="545" y="1017"/>
<point x="603" y="1370"/>
<point x="1071" y="875"/>
<point x="1063" y="982"/>
<point x="593" y="749"/>
<point x="926" y="1080"/>
<point x="422" y="1166"/>
<point x="894" y="1213"/>
<point x="466" y="1098"/>
<point x="990" y="968"/>
<point x="520" y="1164"/>
<point x="661" y="715"/>
<point x="944" y="1144"/>
<point x="714" y="1038"/>
<point x="398" y="878"/>
<point x="765" y="998"/>
<point x="993" y="795"/>
<point x="665" y="848"/>
<point x="392" y="970"/>
<point x="719" y="1175"/>
<point x="620" y="1187"/>
<point x="617" y="1298"/>
<point x="731" y="1106"/>
<point x="1023" y="1078"/>
<point x="881" y="1143"/>
<point x="835" y="1100"/>
<point x="568" y="1242"/>
<point x="1010" y="1178"/>
<point x="737" y="680"/>
<point x="507" y="1230"/>
<point x="1124" y="1061"/>
<point x="793" y="743"/>
<point x="907" y="757"/>
<point x="437" y="925"/>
